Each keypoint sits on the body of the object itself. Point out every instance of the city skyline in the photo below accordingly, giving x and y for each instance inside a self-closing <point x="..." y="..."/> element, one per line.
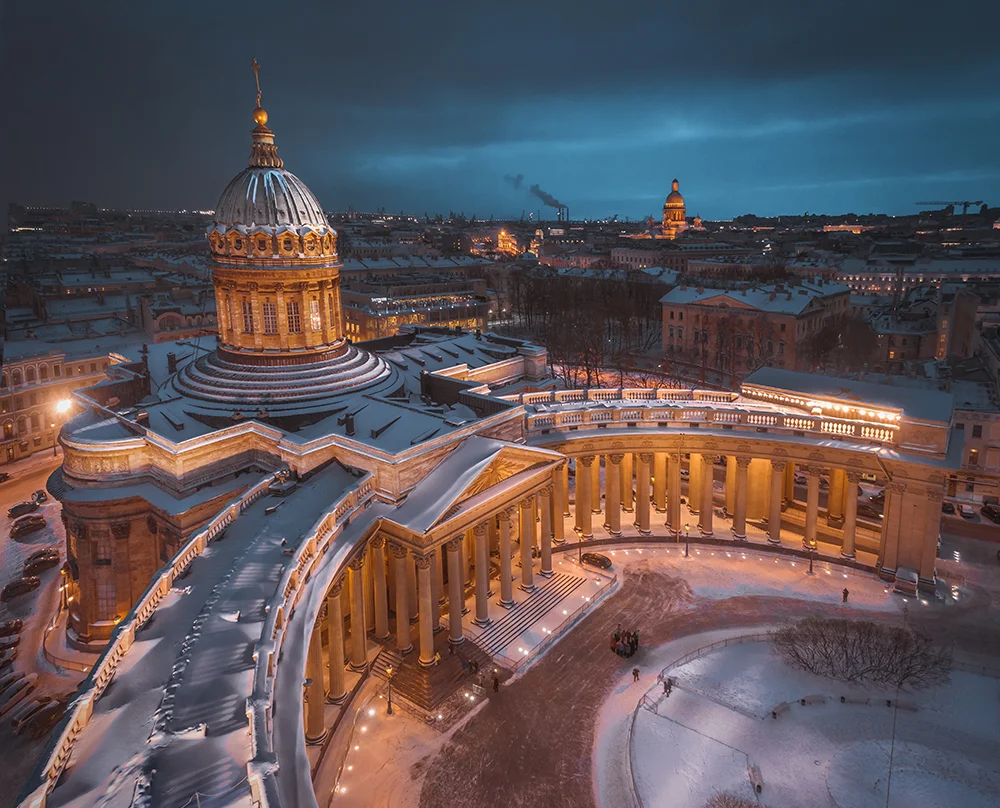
<point x="828" y="112"/>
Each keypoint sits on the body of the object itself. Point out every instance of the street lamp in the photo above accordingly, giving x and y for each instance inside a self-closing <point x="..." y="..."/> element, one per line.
<point x="388" y="678"/>
<point x="687" y="537"/>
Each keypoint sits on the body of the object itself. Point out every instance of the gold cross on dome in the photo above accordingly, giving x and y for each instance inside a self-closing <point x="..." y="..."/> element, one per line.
<point x="255" y="67"/>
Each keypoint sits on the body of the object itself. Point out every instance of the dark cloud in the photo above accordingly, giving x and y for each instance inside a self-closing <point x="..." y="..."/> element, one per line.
<point x="776" y="105"/>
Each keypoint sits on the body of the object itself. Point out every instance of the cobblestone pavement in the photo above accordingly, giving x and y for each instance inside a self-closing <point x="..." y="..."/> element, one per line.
<point x="532" y="744"/>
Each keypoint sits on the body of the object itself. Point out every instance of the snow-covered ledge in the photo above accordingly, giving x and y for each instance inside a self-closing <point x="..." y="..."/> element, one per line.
<point x="313" y="553"/>
<point x="58" y="753"/>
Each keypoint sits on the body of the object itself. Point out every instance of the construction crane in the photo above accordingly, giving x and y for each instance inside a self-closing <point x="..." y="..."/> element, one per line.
<point x="965" y="205"/>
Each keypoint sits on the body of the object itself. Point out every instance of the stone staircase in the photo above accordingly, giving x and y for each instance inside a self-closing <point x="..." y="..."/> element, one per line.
<point x="503" y="632"/>
<point x="428" y="687"/>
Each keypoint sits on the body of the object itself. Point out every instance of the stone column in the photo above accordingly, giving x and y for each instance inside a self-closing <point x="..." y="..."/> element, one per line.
<point x="674" y="494"/>
<point x="626" y="483"/>
<point x="564" y="487"/>
<point x="527" y="521"/>
<point x="403" y="642"/>
<point x="835" y="497"/>
<point x="456" y="592"/>
<point x="789" y="484"/>
<point x="279" y="291"/>
<point x="812" y="506"/>
<point x="466" y="555"/>
<point x="506" y="573"/>
<point x="315" y="730"/>
<point x="359" y="642"/>
<point x="740" y="512"/>
<point x="427" y="607"/>
<point x="660" y="482"/>
<point x="436" y="597"/>
<point x="560" y="500"/>
<point x="411" y="586"/>
<point x="482" y="575"/>
<point x="851" y="480"/>
<point x="335" y="651"/>
<point x="730" y="489"/>
<point x="694" y="482"/>
<point x="584" y="517"/>
<point x="707" y="494"/>
<point x="380" y="593"/>
<point x="258" y="317"/>
<point x="642" y="493"/>
<point x="777" y="491"/>
<point x="612" y="506"/>
<point x="595" y="485"/>
<point x="369" y="587"/>
<point x="546" y="529"/>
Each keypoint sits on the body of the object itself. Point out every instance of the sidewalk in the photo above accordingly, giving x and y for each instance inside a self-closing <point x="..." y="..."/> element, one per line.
<point x="32" y="463"/>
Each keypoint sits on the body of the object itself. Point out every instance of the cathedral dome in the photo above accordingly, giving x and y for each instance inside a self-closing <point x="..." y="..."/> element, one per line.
<point x="674" y="198"/>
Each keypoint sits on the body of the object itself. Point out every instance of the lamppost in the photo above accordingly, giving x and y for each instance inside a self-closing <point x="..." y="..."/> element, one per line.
<point x="388" y="678"/>
<point x="62" y="408"/>
<point x="687" y="537"/>
<point x="812" y="554"/>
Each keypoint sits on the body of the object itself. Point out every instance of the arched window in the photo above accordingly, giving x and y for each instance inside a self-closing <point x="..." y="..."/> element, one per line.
<point x="43" y="373"/>
<point x="29" y="374"/>
<point x="15" y="376"/>
<point x="8" y="430"/>
<point x="36" y="422"/>
<point x="22" y="426"/>
<point x="3" y="380"/>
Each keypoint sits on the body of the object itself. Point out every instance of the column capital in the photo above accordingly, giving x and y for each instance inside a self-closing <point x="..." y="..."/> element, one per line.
<point x="674" y="457"/>
<point x="479" y="530"/>
<point x="587" y="460"/>
<point x="709" y="459"/>
<point x="454" y="545"/>
<point x="813" y="471"/>
<point x="357" y="562"/>
<point x="546" y="490"/>
<point x="616" y="458"/>
<point x="423" y="561"/>
<point x="646" y="457"/>
<point x="336" y="589"/>
<point x="743" y="462"/>
<point x="895" y="487"/>
<point x="398" y="551"/>
<point x="526" y="502"/>
<point x="854" y="477"/>
<point x="377" y="541"/>
<point x="778" y="465"/>
<point x="504" y="514"/>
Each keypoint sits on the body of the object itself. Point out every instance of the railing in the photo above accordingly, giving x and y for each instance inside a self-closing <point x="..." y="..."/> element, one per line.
<point x="262" y="766"/>
<point x="687" y="411"/>
<point x="78" y="716"/>
<point x="651" y="704"/>
<point x="624" y="393"/>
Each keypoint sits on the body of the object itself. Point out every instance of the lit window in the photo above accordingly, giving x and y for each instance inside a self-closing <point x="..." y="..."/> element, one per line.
<point x="973" y="457"/>
<point x="247" y="317"/>
<point x="294" y="317"/>
<point x="314" y="322"/>
<point x="270" y="312"/>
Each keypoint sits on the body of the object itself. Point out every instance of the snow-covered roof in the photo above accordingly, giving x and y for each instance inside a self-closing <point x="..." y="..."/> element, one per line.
<point x="772" y="298"/>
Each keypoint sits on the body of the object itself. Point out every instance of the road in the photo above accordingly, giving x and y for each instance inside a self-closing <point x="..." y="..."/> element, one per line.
<point x="35" y="609"/>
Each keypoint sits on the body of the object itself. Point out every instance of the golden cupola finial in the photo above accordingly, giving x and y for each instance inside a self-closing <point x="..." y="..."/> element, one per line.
<point x="263" y="152"/>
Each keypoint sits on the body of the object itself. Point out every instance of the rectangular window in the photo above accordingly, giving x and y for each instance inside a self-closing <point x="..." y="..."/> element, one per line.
<point x="977" y="431"/>
<point x="57" y="369"/>
<point x="314" y="322"/>
<point x="270" y="312"/>
<point x="106" y="597"/>
<point x="247" y="317"/>
<point x="294" y="317"/>
<point x="973" y="457"/>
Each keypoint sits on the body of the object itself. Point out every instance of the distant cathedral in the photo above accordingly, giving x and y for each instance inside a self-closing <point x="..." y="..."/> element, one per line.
<point x="674" y="222"/>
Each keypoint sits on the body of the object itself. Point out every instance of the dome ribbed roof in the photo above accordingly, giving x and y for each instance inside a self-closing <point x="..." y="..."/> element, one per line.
<point x="260" y="196"/>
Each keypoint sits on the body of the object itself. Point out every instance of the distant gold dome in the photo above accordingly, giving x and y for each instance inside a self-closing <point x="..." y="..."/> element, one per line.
<point x="260" y="116"/>
<point x="674" y="198"/>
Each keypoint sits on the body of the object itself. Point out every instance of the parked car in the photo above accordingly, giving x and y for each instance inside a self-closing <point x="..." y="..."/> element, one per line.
<point x="40" y="565"/>
<point x="17" y="692"/>
<point x="8" y="679"/>
<point x="948" y="507"/>
<point x="868" y="511"/>
<point x="40" y="496"/>
<point x="27" y="709"/>
<point x="45" y="552"/>
<point x="21" y="587"/>
<point x="991" y="512"/>
<point x="10" y="642"/>
<point x="878" y="499"/>
<point x="7" y="659"/>
<point x="4" y="476"/>
<point x="42" y="722"/>
<point x="26" y="525"/>
<point x="22" y="508"/>
<point x="966" y="511"/>
<point x="11" y="627"/>
<point x="800" y="478"/>
<point x="596" y="560"/>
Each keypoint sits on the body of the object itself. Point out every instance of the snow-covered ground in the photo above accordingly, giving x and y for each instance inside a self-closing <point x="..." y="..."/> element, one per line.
<point x="717" y="722"/>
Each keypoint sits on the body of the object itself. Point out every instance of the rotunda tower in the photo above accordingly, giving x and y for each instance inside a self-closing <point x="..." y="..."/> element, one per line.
<point x="674" y="220"/>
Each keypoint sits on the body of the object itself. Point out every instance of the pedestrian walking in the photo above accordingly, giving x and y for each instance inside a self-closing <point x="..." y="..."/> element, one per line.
<point x="496" y="683"/>
<point x="845" y="593"/>
<point x="635" y="674"/>
<point x="668" y="686"/>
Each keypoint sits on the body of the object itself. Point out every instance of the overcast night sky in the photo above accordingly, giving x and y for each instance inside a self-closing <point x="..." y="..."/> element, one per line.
<point x="770" y="107"/>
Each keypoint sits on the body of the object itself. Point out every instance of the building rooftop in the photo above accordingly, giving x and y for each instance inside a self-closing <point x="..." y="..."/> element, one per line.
<point x="779" y="299"/>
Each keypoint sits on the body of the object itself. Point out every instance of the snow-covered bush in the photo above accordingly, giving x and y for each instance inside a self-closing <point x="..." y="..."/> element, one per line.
<point x="862" y="652"/>
<point x="726" y="799"/>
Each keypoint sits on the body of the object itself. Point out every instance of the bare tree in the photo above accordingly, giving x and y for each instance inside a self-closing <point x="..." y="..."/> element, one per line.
<point x="726" y="799"/>
<point x="862" y="652"/>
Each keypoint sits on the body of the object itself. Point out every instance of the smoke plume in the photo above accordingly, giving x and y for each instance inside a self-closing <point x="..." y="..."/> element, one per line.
<point x="546" y="197"/>
<point x="514" y="181"/>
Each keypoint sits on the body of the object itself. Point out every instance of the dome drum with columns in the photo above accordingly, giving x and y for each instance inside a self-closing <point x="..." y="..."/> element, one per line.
<point x="674" y="213"/>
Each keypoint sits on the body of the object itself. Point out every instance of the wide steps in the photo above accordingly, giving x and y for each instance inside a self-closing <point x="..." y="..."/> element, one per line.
<point x="504" y="631"/>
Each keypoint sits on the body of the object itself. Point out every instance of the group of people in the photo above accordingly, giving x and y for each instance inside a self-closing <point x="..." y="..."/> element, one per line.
<point x="624" y="643"/>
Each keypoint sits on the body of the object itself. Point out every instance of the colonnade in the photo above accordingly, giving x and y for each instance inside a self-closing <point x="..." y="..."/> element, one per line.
<point x="755" y="488"/>
<point x="415" y="587"/>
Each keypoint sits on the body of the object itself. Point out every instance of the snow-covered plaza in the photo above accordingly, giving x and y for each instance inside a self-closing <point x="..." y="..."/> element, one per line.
<point x="834" y="750"/>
